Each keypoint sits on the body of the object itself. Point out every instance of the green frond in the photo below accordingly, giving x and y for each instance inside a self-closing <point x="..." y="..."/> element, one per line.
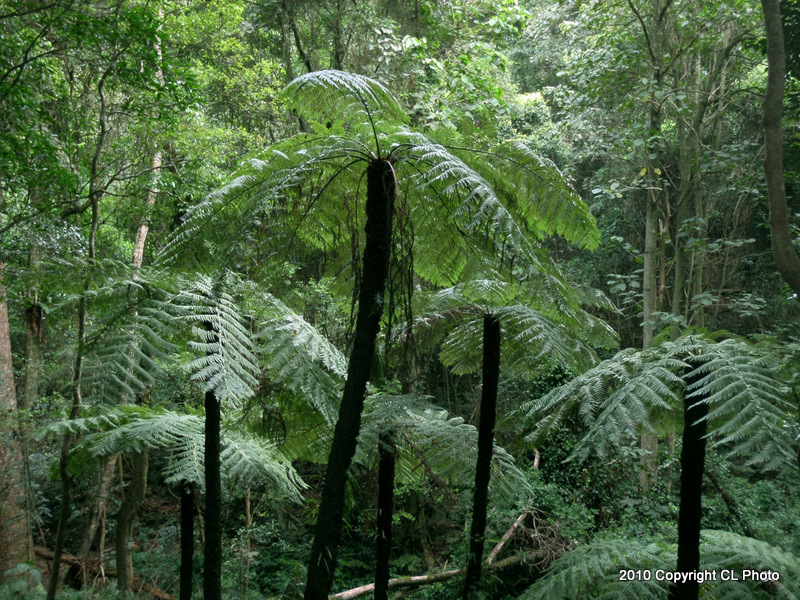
<point x="182" y="436"/>
<point x="128" y="346"/>
<point x="749" y="413"/>
<point x="298" y="355"/>
<point x="337" y="96"/>
<point x="593" y="571"/>
<point x="246" y="458"/>
<point x="614" y="400"/>
<point x="531" y="343"/>
<point x="228" y="365"/>
<point x="749" y="409"/>
<point x="535" y="191"/>
<point x="432" y="442"/>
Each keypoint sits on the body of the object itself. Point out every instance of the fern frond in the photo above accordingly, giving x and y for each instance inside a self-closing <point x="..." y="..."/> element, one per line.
<point x="537" y="194"/>
<point x="339" y="96"/>
<point x="614" y="400"/>
<point x="433" y="442"/>
<point x="183" y="437"/>
<point x="593" y="571"/>
<point x="749" y="409"/>
<point x="298" y="355"/>
<point x="228" y="365"/>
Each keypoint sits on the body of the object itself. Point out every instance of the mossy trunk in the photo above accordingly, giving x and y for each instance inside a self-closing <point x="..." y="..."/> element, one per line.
<point x="187" y="540"/>
<point x="212" y="558"/>
<point x="387" y="450"/>
<point x="379" y="208"/>
<point x="491" y="376"/>
<point x="693" y="457"/>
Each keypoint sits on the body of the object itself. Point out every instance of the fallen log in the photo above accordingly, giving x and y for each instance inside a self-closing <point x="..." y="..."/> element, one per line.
<point x="94" y="567"/>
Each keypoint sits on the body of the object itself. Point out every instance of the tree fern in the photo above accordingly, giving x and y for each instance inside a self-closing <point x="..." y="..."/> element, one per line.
<point x="749" y="414"/>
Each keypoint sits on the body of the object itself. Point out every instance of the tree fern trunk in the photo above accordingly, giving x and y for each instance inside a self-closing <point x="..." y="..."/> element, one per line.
<point x="693" y="455"/>
<point x="212" y="559"/>
<point x="380" y="206"/>
<point x="187" y="541"/>
<point x="491" y="376"/>
<point x="387" y="451"/>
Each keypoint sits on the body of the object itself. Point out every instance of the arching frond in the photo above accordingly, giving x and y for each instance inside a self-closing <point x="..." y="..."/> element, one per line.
<point x="183" y="437"/>
<point x="433" y="442"/>
<point x="593" y="571"/>
<point x="298" y="355"/>
<point x="339" y="96"/>
<point x="749" y="410"/>
<point x="535" y="191"/>
<point x="749" y="414"/>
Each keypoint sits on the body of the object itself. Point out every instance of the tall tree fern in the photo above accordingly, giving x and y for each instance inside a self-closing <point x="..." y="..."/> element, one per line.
<point x="730" y="388"/>
<point x="359" y="131"/>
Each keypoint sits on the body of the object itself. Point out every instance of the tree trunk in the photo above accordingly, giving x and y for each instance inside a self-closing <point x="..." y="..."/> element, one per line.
<point x="387" y="450"/>
<point x="187" y="541"/>
<point x="101" y="500"/>
<point x="127" y="514"/>
<point x="693" y="455"/>
<point x="654" y="200"/>
<point x="381" y="190"/>
<point x="212" y="555"/>
<point x="786" y="257"/>
<point x="14" y="530"/>
<point x="491" y="376"/>
<point x="66" y="444"/>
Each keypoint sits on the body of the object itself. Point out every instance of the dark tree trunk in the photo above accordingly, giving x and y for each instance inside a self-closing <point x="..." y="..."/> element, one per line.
<point x="786" y="258"/>
<point x="491" y="376"/>
<point x="380" y="206"/>
<point x="187" y="540"/>
<point x="387" y="450"/>
<point x="693" y="456"/>
<point x="212" y="558"/>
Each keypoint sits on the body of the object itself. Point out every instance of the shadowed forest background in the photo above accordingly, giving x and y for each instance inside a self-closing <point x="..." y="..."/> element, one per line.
<point x="426" y="299"/>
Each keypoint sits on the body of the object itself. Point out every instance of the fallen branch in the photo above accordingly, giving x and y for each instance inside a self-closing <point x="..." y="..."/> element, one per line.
<point x="506" y="536"/>
<point x="420" y="580"/>
<point x="543" y="547"/>
<point x="94" y="566"/>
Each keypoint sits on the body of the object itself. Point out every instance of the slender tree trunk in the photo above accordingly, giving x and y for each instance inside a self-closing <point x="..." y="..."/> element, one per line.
<point x="187" y="541"/>
<point x="786" y="258"/>
<point x="387" y="450"/>
<point x="491" y="376"/>
<point x="693" y="455"/>
<point x="127" y="513"/>
<point x="212" y="557"/>
<point x="101" y="501"/>
<point x="654" y="200"/>
<point x="66" y="444"/>
<point x="381" y="190"/>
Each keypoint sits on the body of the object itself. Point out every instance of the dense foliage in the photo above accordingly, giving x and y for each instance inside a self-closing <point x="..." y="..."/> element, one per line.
<point x="190" y="315"/>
